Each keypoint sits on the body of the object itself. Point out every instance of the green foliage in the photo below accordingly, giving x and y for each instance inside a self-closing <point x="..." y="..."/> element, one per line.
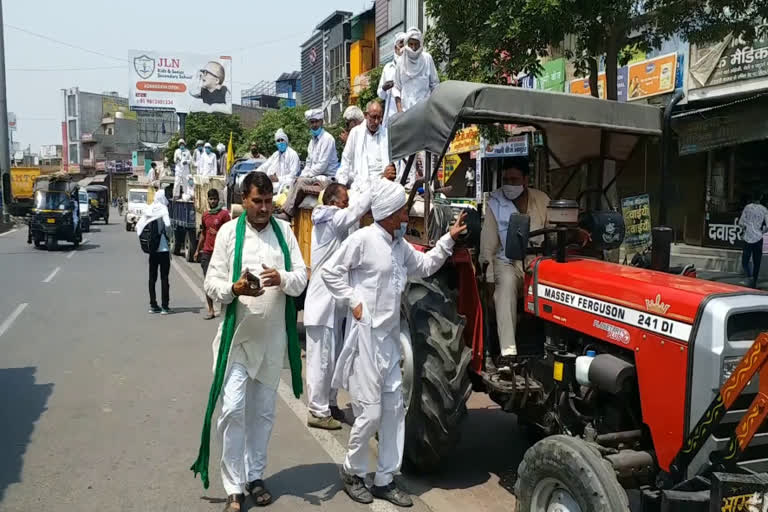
<point x="291" y="120"/>
<point x="371" y="92"/>
<point x="213" y="128"/>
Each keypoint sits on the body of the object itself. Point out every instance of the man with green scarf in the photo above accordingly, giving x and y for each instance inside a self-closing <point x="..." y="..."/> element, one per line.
<point x="210" y="225"/>
<point x="256" y="269"/>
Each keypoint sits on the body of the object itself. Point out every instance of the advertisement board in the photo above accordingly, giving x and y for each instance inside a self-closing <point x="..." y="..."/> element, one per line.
<point x="652" y="77"/>
<point x="581" y="85"/>
<point x="552" y="77"/>
<point x="180" y="81"/>
<point x="730" y="60"/>
<point x="636" y="211"/>
<point x="514" y="146"/>
<point x="465" y="140"/>
<point x="49" y="151"/>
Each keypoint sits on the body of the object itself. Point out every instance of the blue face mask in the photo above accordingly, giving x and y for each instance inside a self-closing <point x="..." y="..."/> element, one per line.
<point x="208" y="150"/>
<point x="182" y="147"/>
<point x="399" y="233"/>
<point x="282" y="146"/>
<point x="316" y="133"/>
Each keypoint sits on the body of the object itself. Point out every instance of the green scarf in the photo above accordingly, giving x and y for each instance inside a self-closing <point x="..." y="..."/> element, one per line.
<point x="214" y="211"/>
<point x="228" y="332"/>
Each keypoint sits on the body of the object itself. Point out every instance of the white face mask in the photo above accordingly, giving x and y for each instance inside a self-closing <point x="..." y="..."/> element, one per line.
<point x="399" y="233"/>
<point x="512" y="192"/>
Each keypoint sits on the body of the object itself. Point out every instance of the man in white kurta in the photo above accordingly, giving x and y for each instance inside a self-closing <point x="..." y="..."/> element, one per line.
<point x="283" y="166"/>
<point x="260" y="339"/>
<point x="322" y="160"/>
<point x="416" y="74"/>
<point x="181" y="159"/>
<point x="367" y="275"/>
<point x="387" y="81"/>
<point x="207" y="162"/>
<point x="323" y="320"/>
<point x="366" y="155"/>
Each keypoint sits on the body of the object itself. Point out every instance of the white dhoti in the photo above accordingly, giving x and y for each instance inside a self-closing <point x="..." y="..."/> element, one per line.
<point x="369" y="368"/>
<point x="245" y="425"/>
<point x="509" y="279"/>
<point x="323" y="348"/>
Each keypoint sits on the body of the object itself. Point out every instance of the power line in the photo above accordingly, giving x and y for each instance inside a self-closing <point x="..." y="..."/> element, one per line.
<point x="63" y="43"/>
<point x="64" y="69"/>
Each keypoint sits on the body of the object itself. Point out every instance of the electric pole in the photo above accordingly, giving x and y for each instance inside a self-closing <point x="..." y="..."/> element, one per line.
<point x="5" y="150"/>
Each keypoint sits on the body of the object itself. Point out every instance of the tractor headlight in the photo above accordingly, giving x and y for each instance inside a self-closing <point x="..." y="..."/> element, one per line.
<point x="729" y="365"/>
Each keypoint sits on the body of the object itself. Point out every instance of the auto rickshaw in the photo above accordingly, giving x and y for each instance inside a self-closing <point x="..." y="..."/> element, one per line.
<point x="55" y="214"/>
<point x="99" y="195"/>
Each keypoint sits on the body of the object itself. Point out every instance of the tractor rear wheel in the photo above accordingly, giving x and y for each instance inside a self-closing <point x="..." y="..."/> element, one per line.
<point x="437" y="393"/>
<point x="565" y="473"/>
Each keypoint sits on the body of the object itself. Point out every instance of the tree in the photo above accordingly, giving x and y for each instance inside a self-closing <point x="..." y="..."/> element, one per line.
<point x="371" y="92"/>
<point x="290" y="119"/>
<point x="212" y="128"/>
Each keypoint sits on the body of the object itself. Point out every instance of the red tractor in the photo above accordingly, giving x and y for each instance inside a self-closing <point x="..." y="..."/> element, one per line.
<point x="633" y="379"/>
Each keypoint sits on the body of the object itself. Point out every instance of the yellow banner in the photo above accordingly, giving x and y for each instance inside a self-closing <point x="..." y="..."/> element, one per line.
<point x="466" y="140"/>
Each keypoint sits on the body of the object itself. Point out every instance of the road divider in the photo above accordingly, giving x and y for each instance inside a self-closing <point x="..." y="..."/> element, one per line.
<point x="12" y="317"/>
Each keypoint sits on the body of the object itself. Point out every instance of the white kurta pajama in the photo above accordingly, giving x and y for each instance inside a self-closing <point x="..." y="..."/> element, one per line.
<point x="207" y="164"/>
<point x="320" y="168"/>
<point x="182" y="160"/>
<point x="284" y="166"/>
<point x="322" y="319"/>
<point x="370" y="268"/>
<point x="258" y="347"/>
<point x="365" y="157"/>
<point x="388" y="75"/>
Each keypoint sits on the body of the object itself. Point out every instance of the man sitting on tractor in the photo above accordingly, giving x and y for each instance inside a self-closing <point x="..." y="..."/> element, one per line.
<point x="506" y="277"/>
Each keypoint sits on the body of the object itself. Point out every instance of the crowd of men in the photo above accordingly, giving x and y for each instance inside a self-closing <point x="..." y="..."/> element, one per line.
<point x="254" y="269"/>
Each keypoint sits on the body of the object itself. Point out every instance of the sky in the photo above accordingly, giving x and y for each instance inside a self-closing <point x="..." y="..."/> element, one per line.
<point x="92" y="40"/>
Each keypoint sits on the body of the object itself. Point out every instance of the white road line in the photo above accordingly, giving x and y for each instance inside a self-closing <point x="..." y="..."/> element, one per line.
<point x="9" y="232"/>
<point x="192" y="285"/>
<point x="52" y="275"/>
<point x="9" y="321"/>
<point x="72" y="253"/>
<point x="330" y="445"/>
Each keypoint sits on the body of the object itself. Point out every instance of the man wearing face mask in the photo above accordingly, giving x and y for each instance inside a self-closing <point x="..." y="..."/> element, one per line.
<point x="322" y="161"/>
<point x="387" y="82"/>
<point x="416" y="74"/>
<point x="366" y="155"/>
<point x="514" y="196"/>
<point x="181" y="158"/>
<point x="197" y="156"/>
<point x="283" y="166"/>
<point x="367" y="275"/>
<point x="207" y="162"/>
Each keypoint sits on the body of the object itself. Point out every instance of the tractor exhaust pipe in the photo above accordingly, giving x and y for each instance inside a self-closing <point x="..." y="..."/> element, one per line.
<point x="661" y="248"/>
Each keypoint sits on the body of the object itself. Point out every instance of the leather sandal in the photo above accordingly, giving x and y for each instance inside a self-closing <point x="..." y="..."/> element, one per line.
<point x="259" y="493"/>
<point x="234" y="503"/>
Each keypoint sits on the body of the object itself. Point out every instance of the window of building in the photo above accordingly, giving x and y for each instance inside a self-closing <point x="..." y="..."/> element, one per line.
<point x="396" y="12"/>
<point x="74" y="154"/>
<point x="314" y="83"/>
<point x="338" y="67"/>
<point x="72" y="105"/>
<point x="73" y="136"/>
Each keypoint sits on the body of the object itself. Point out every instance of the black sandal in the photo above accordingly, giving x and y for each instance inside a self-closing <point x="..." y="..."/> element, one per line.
<point x="259" y="493"/>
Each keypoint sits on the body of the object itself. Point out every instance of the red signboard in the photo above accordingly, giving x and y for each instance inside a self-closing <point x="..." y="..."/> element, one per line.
<point x="64" y="148"/>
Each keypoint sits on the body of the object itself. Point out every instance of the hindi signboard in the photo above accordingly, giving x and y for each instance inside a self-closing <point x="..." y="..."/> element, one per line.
<point x="180" y="81"/>
<point x="465" y="140"/>
<point x="552" y="77"/>
<point x="637" y="220"/>
<point x="513" y="146"/>
<point x="723" y="230"/>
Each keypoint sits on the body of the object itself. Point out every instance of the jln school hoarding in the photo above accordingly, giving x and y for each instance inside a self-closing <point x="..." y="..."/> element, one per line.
<point x="180" y="81"/>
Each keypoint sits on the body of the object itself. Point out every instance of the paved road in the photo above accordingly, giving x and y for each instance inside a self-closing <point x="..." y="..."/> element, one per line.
<point x="102" y="404"/>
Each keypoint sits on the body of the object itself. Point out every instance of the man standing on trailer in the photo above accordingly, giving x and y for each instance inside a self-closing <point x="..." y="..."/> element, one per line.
<point x="387" y="82"/>
<point x="514" y="196"/>
<point x="367" y="275"/>
<point x="182" y="159"/>
<point x="283" y="166"/>
<point x="416" y="75"/>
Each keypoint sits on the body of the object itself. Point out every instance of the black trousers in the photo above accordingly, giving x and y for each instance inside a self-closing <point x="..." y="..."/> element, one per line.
<point x="752" y="252"/>
<point x="161" y="260"/>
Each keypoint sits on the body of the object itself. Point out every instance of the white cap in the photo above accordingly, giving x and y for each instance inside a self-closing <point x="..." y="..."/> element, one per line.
<point x="208" y="145"/>
<point x="199" y="143"/>
<point x="316" y="114"/>
<point x="182" y="141"/>
<point x="280" y="134"/>
<point x="353" y="113"/>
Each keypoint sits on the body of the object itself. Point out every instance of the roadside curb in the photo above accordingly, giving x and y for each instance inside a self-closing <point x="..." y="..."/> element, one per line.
<point x="6" y="227"/>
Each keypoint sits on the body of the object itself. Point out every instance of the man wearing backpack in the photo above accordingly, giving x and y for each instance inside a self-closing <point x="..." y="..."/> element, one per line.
<point x="152" y="229"/>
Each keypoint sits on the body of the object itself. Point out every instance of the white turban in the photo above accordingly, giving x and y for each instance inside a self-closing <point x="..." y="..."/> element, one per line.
<point x="400" y="36"/>
<point x="221" y="147"/>
<point x="280" y="134"/>
<point x="413" y="64"/>
<point x="353" y="113"/>
<point x="316" y="114"/>
<point x="388" y="198"/>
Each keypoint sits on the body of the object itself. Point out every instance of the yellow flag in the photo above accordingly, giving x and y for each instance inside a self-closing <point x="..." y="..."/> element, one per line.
<point x="230" y="154"/>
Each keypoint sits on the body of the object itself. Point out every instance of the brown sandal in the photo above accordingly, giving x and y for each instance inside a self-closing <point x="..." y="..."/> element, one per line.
<point x="234" y="503"/>
<point x="259" y="493"/>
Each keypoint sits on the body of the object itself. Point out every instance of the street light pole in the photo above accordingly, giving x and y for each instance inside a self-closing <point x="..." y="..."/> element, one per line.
<point x="5" y="150"/>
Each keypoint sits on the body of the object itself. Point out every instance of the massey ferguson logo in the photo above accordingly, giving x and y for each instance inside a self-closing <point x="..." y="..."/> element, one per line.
<point x="144" y="66"/>
<point x="656" y="306"/>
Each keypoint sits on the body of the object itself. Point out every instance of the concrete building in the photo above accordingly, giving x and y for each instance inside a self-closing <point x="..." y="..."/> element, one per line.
<point x="97" y="128"/>
<point x="362" y="56"/>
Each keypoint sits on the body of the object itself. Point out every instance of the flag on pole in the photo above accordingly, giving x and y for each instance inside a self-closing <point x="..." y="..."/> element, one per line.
<point x="230" y="154"/>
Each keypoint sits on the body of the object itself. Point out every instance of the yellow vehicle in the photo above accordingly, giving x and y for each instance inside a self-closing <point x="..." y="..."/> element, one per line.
<point x="23" y="189"/>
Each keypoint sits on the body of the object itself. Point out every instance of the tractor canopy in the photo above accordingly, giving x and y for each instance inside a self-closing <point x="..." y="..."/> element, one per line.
<point x="576" y="128"/>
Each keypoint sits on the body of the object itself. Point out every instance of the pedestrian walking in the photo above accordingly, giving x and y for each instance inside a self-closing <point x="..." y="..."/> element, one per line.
<point x="212" y="221"/>
<point x="322" y="319"/>
<point x="250" y="346"/>
<point x="754" y="222"/>
<point x="159" y="253"/>
<point x="367" y="275"/>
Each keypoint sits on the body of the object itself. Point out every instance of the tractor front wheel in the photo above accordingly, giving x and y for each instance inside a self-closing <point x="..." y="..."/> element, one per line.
<point x="565" y="473"/>
<point x="436" y="382"/>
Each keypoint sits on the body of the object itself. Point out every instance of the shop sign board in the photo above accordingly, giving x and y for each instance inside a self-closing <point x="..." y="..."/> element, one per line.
<point x="723" y="230"/>
<point x="552" y="76"/>
<point x="652" y="77"/>
<point x="450" y="164"/>
<point x="581" y="85"/>
<point x="514" y="146"/>
<point x="465" y="140"/>
<point x="730" y="60"/>
<point x="637" y="220"/>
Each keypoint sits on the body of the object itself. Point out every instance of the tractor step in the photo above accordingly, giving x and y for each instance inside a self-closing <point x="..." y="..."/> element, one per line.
<point x="509" y="384"/>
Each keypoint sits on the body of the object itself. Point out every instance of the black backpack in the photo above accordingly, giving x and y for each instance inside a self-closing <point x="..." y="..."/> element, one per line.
<point x="149" y="239"/>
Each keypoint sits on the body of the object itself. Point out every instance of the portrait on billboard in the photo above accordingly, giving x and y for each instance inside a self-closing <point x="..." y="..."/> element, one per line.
<point x="209" y="87"/>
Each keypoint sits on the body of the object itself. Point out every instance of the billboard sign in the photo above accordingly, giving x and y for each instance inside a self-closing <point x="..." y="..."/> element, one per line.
<point x="652" y="77"/>
<point x="581" y="85"/>
<point x="180" y="81"/>
<point x="49" y="151"/>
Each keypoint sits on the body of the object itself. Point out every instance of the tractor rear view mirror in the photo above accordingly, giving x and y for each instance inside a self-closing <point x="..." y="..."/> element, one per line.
<point x="517" y="237"/>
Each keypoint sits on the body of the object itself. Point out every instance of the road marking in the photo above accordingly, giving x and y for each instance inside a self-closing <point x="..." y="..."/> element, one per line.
<point x="9" y="232"/>
<point x="192" y="285"/>
<point x="330" y="445"/>
<point x="8" y="321"/>
<point x="52" y="275"/>
<point x="69" y="256"/>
